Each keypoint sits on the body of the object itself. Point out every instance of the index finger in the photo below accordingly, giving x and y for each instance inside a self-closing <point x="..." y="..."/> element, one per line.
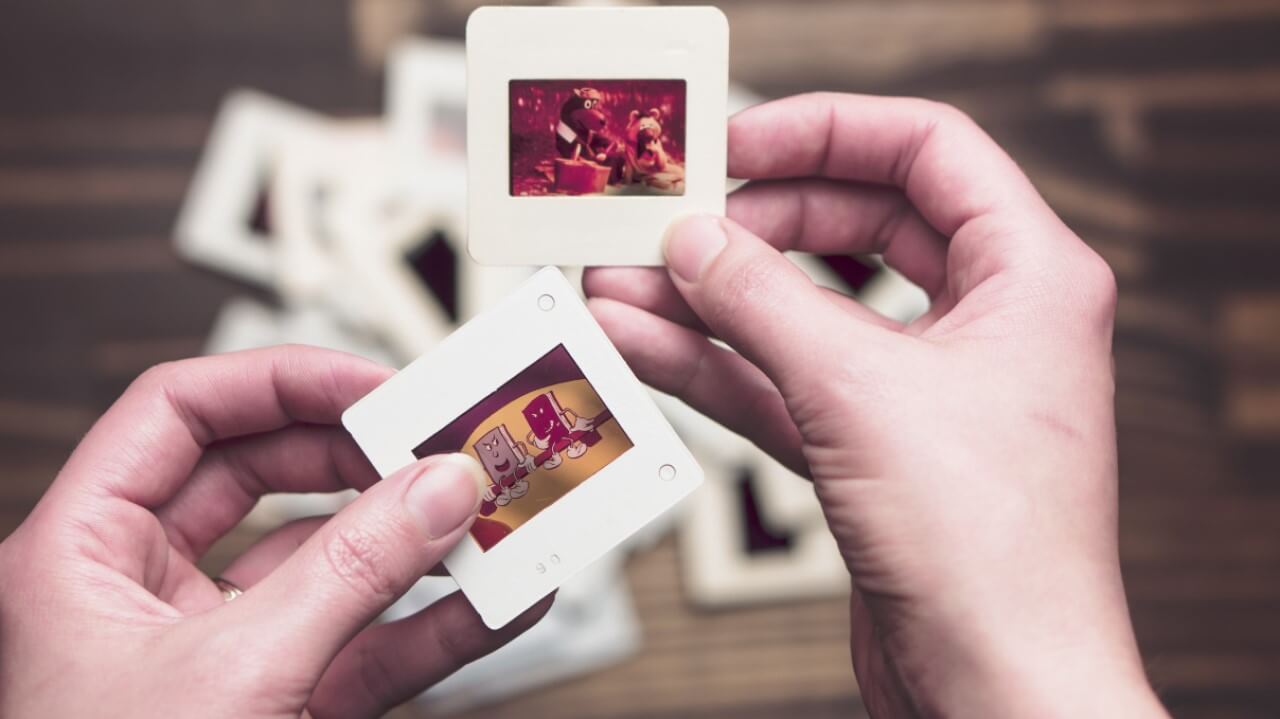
<point x="149" y="441"/>
<point x="950" y="169"/>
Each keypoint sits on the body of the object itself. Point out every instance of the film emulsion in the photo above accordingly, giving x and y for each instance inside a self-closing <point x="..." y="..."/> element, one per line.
<point x="538" y="436"/>
<point x="597" y="137"/>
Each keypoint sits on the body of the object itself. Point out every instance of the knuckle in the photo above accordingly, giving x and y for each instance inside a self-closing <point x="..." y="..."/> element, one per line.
<point x="360" y="559"/>
<point x="1076" y="286"/>
<point x="161" y="375"/>
<point x="1097" y="283"/>
<point x="825" y="96"/>
<point x="945" y="114"/>
<point x="288" y="359"/>
<point x="294" y="356"/>
<point x="931" y="119"/>
<point x="169" y="380"/>
<point x="168" y="383"/>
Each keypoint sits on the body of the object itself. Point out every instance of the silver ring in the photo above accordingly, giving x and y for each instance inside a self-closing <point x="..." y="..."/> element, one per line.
<point x="229" y="590"/>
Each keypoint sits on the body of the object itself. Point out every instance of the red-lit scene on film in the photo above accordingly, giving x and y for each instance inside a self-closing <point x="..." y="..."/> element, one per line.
<point x="538" y="436"/>
<point x="597" y="137"/>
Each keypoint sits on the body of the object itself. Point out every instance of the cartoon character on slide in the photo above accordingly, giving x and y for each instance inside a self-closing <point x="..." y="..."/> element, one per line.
<point x="647" y="159"/>
<point x="508" y="463"/>
<point x="554" y="429"/>
<point x="581" y="132"/>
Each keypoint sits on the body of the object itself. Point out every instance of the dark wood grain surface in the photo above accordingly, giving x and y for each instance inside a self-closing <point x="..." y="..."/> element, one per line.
<point x="1152" y="127"/>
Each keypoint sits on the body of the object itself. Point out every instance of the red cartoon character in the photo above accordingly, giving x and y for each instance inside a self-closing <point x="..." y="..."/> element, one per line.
<point x="554" y="429"/>
<point x="590" y="157"/>
<point x="508" y="463"/>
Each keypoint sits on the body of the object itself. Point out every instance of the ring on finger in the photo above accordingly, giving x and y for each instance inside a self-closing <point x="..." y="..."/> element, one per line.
<point x="229" y="589"/>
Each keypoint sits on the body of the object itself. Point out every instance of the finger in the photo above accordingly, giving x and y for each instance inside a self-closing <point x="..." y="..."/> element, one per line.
<point x="232" y="476"/>
<point x="147" y="444"/>
<point x="761" y="304"/>
<point x="652" y="290"/>
<point x="272" y="550"/>
<point x="715" y="381"/>
<point x="947" y="166"/>
<point x="389" y="664"/>
<point x="647" y="288"/>
<point x="813" y="216"/>
<point x="956" y="176"/>
<point x="268" y="553"/>
<point x="838" y="218"/>
<point x="358" y="563"/>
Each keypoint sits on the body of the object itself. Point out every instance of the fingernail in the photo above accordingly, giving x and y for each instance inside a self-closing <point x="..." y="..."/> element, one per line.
<point x="692" y="243"/>
<point x="446" y="494"/>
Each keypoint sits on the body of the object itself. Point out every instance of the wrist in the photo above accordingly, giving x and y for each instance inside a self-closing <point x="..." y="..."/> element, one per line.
<point x="1053" y="658"/>
<point x="1054" y="685"/>
<point x="1082" y="676"/>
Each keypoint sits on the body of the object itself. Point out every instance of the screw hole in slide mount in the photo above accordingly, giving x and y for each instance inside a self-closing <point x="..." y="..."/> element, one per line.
<point x="666" y="473"/>
<point x="546" y="303"/>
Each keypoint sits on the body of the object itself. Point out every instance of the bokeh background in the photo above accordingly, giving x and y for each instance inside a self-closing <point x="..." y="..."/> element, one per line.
<point x="1152" y="126"/>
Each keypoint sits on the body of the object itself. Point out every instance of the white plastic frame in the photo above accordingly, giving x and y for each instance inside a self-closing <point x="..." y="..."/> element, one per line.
<point x="623" y="43"/>
<point x="214" y="225"/>
<point x="426" y="78"/>
<point x="595" y="516"/>
<point x="718" y="572"/>
<point x="376" y="226"/>
<point x="339" y="161"/>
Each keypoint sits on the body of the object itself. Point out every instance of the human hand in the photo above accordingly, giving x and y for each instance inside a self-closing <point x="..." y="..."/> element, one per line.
<point x="104" y="613"/>
<point x="966" y="462"/>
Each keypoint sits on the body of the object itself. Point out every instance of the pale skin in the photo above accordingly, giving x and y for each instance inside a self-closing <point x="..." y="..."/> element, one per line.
<point x="966" y="463"/>
<point x="103" y="613"/>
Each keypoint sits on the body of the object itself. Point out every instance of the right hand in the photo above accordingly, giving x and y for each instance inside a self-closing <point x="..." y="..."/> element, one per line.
<point x="966" y="462"/>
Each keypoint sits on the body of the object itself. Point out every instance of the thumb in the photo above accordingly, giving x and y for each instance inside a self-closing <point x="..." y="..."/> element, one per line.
<point x="755" y="299"/>
<point x="362" y="560"/>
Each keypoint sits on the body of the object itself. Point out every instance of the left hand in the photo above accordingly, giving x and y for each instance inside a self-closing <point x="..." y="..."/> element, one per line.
<point x="104" y="612"/>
